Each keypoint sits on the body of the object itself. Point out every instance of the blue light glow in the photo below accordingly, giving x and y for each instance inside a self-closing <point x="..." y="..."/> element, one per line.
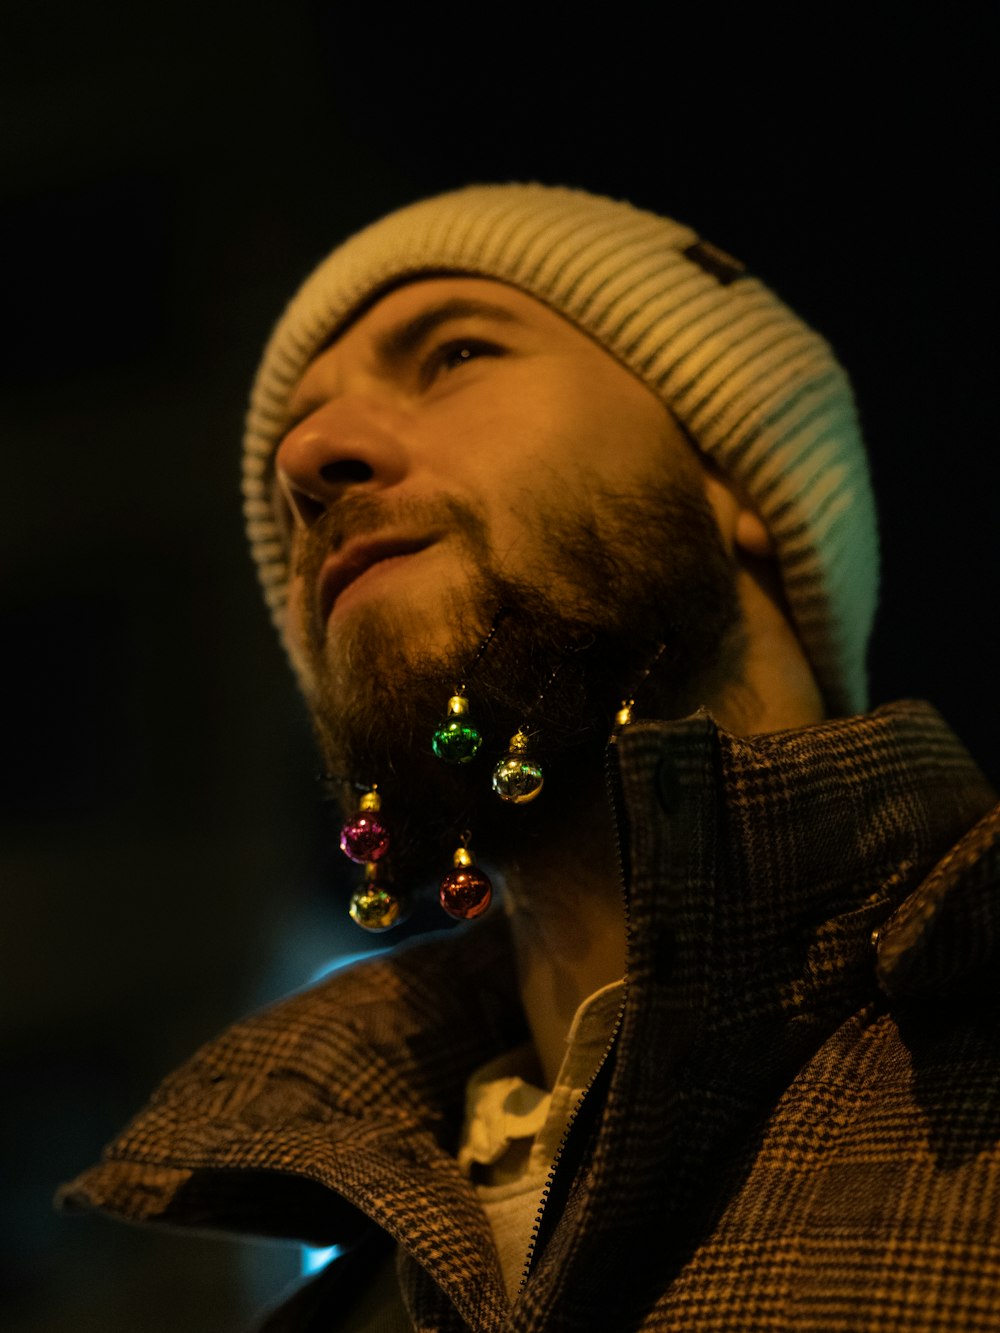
<point x="315" y="1259"/>
<point x="346" y="960"/>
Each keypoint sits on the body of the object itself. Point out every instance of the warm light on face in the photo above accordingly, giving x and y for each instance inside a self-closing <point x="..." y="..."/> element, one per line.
<point x="458" y="395"/>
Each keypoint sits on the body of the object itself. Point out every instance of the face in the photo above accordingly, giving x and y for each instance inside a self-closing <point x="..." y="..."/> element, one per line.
<point x="460" y="448"/>
<point x="449" y="421"/>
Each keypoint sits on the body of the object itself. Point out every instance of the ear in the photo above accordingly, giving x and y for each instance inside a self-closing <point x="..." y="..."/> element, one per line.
<point x="742" y="528"/>
<point x="751" y="536"/>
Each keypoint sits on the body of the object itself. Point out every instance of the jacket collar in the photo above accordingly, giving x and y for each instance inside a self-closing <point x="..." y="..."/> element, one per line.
<point x="759" y="873"/>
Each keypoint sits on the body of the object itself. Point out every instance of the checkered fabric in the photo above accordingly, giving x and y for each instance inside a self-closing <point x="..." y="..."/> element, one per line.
<point x="793" y="1129"/>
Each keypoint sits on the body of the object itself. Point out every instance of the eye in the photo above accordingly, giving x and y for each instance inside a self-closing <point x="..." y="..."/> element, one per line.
<point x="456" y="353"/>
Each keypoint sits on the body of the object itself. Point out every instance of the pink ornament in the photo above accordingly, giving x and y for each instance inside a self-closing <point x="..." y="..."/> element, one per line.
<point x="364" y="837"/>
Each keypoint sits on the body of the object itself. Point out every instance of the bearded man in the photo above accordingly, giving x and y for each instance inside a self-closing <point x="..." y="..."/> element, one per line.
<point x="542" y="483"/>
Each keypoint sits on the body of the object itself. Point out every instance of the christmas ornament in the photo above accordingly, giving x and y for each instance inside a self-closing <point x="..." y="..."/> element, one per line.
<point x="364" y="837"/>
<point x="374" y="906"/>
<point x="465" y="891"/>
<point x="457" y="739"/>
<point x="517" y="777"/>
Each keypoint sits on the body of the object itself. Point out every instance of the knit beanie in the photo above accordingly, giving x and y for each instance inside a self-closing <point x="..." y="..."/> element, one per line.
<point x="758" y="390"/>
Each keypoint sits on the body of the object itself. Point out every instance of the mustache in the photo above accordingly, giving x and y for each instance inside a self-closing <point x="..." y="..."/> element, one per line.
<point x="365" y="515"/>
<point x="368" y="515"/>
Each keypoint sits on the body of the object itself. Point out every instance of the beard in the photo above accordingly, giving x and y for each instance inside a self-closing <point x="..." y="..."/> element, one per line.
<point x="633" y="579"/>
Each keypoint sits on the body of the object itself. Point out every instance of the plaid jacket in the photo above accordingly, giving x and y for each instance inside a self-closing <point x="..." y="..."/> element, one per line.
<point x="795" y="1126"/>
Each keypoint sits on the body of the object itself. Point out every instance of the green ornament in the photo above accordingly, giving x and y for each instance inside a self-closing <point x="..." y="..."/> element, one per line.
<point x="456" y="740"/>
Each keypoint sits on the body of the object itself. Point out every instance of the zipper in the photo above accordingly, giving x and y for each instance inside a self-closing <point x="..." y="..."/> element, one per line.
<point x="614" y="788"/>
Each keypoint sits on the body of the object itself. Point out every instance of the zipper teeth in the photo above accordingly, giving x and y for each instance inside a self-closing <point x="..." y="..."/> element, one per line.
<point x="536" y="1225"/>
<point x="614" y="790"/>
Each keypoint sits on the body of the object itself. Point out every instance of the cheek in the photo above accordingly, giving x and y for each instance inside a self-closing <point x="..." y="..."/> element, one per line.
<point x="613" y="429"/>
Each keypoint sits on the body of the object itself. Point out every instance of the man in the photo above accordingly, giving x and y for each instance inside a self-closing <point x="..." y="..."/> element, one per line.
<point x="552" y="475"/>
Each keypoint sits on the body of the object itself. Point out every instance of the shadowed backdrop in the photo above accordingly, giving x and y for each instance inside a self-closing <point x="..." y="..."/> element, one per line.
<point x="169" y="175"/>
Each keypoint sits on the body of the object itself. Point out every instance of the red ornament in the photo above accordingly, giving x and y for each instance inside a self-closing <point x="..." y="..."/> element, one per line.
<point x="465" y="891"/>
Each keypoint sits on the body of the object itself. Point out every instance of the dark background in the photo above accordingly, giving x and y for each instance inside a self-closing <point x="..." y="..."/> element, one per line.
<point x="169" y="175"/>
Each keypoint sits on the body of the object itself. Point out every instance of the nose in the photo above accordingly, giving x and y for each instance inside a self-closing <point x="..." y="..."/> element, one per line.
<point x="346" y="445"/>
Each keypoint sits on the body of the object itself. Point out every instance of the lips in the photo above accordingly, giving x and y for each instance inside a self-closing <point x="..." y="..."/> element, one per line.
<point x="339" y="571"/>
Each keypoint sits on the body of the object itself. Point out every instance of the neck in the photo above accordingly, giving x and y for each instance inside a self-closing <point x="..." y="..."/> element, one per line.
<point x="564" y="897"/>
<point x="775" y="688"/>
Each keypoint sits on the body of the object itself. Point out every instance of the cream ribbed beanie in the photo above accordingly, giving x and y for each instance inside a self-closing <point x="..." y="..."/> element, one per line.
<point x="758" y="390"/>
